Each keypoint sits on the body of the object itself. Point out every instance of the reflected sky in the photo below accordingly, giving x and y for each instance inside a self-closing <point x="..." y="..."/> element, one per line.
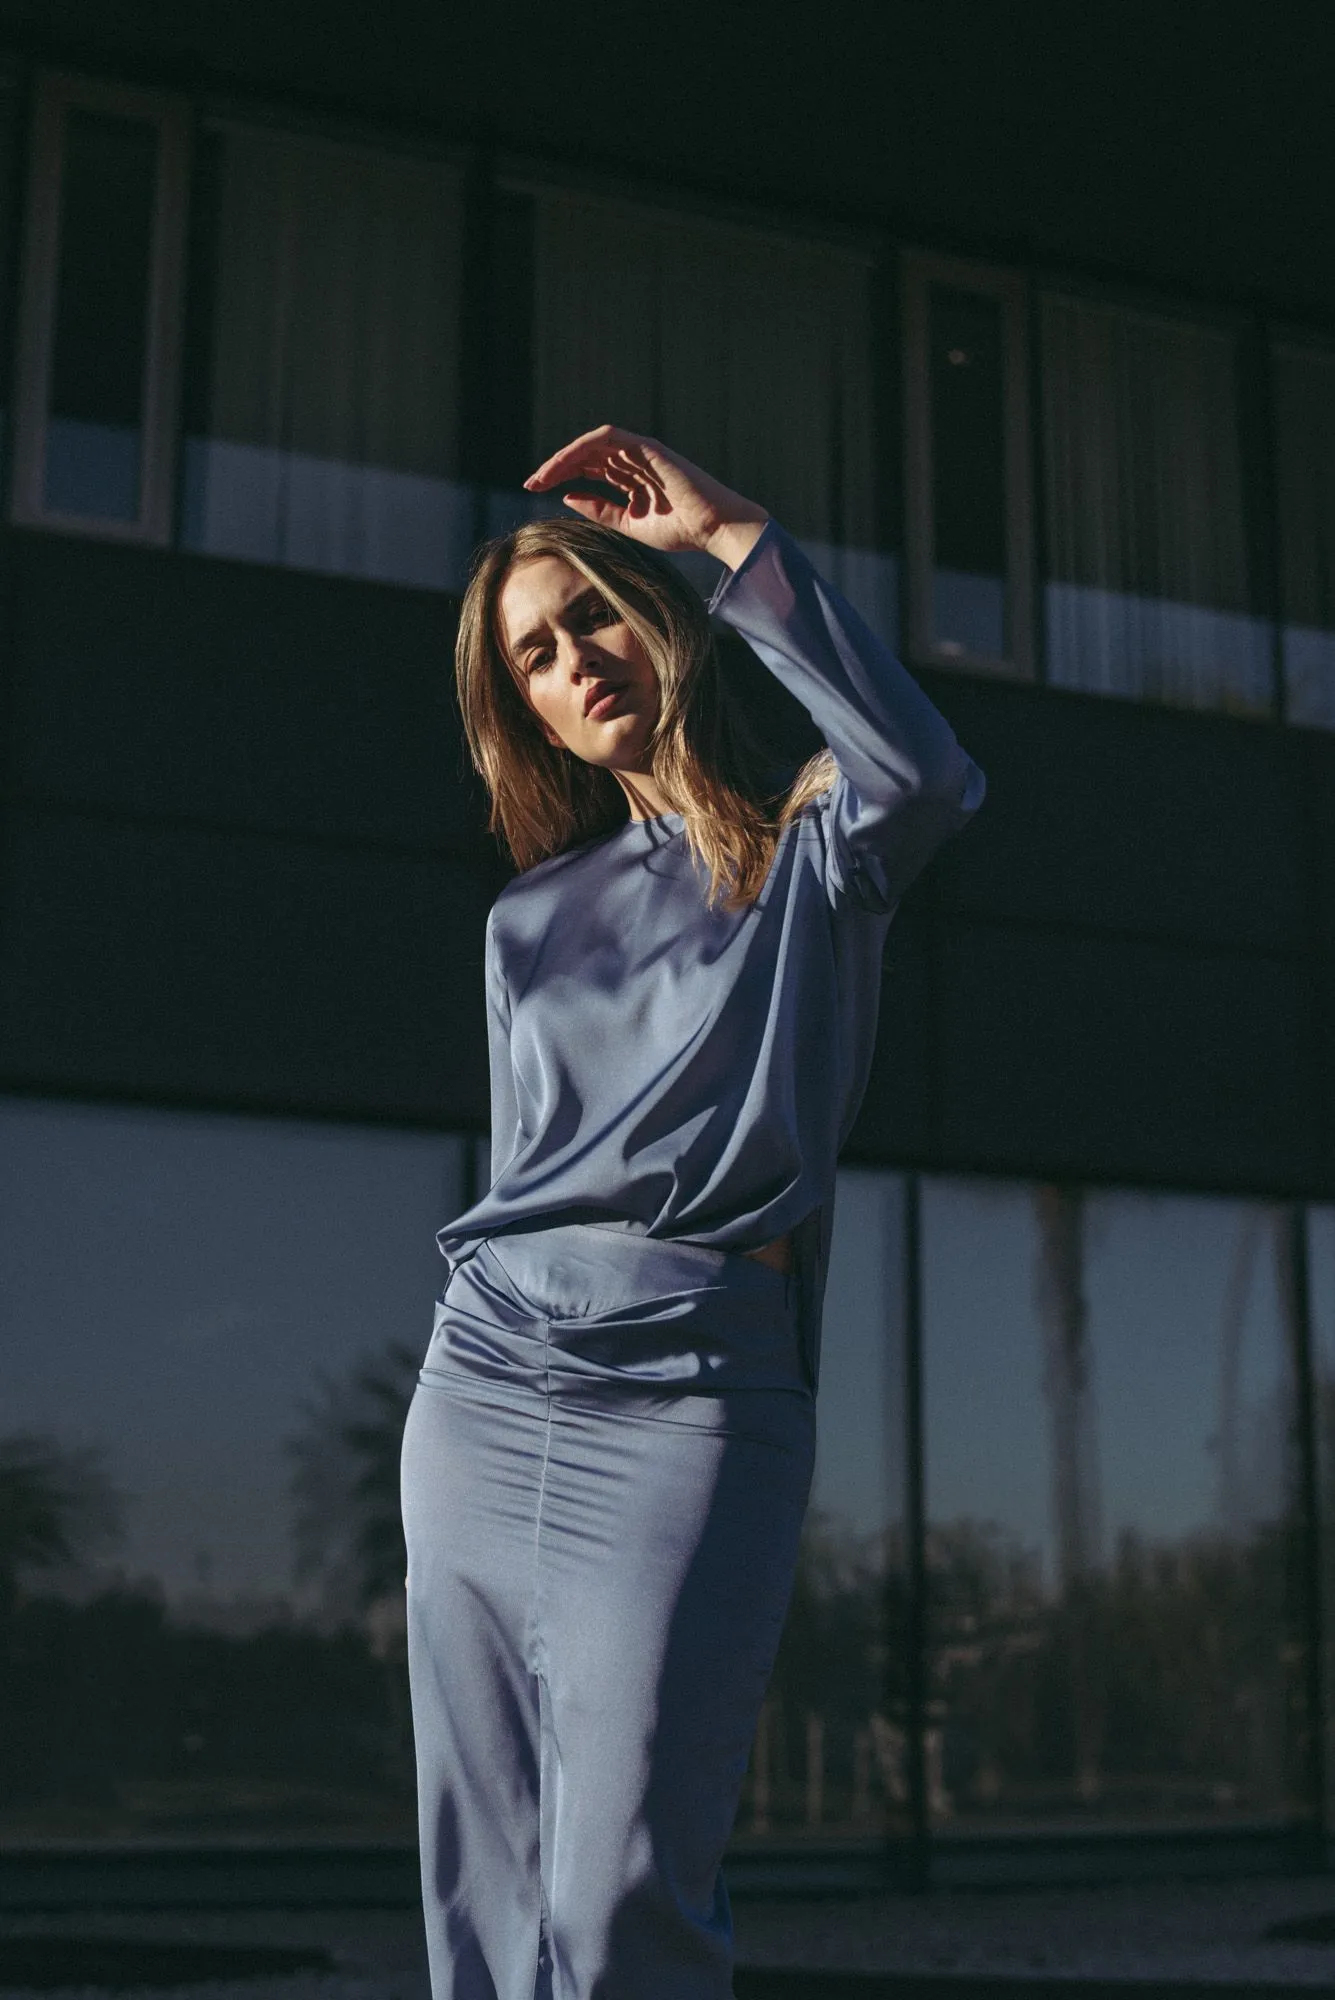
<point x="1321" y="1278"/>
<point x="860" y="1425"/>
<point x="1165" y="1279"/>
<point x="170" y="1285"/>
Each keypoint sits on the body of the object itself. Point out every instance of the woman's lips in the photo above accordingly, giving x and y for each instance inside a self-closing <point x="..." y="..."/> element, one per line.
<point x="604" y="704"/>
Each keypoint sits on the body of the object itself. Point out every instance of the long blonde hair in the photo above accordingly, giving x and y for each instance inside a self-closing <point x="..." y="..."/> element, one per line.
<point x="706" y="756"/>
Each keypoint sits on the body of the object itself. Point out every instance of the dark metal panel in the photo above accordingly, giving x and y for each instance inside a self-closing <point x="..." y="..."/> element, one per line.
<point x="896" y="1119"/>
<point x="188" y="687"/>
<point x="195" y="967"/>
<point x="1319" y="759"/>
<point x="1112" y="1059"/>
<point x="1126" y="817"/>
<point x="1167" y="144"/>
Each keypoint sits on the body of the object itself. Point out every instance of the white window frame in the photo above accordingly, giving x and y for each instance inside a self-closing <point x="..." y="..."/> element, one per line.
<point x="56" y="95"/>
<point x="920" y="270"/>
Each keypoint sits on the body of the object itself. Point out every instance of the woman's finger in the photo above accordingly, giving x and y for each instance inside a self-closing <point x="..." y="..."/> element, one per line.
<point x="584" y="456"/>
<point x="587" y="449"/>
<point x="606" y="513"/>
<point x="633" y="466"/>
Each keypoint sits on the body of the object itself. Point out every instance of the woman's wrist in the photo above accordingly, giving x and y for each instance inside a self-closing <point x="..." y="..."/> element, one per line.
<point x="732" y="541"/>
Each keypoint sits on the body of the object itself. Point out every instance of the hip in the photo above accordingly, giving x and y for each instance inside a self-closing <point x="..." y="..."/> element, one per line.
<point x="583" y="1313"/>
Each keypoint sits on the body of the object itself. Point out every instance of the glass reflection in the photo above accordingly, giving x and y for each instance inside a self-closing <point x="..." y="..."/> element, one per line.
<point x="968" y="474"/>
<point x="829" y="1761"/>
<point x="212" y="1328"/>
<point x="1108" y="1410"/>
<point x="322" y="392"/>
<point x="1321" y="1278"/>
<point x="1150" y="593"/>
<point x="98" y="345"/>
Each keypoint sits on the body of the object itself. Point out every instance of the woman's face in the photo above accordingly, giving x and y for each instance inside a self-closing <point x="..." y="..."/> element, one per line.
<point x="584" y="673"/>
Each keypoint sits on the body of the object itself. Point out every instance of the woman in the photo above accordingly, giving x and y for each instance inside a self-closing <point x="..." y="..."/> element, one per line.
<point x="608" y="1457"/>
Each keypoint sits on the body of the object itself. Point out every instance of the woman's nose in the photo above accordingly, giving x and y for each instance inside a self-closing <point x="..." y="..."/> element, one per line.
<point x="581" y="662"/>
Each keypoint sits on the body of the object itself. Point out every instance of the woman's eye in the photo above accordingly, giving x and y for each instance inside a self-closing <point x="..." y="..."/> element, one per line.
<point x="537" y="661"/>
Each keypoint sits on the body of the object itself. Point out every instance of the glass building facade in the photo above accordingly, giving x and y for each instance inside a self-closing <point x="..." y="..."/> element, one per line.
<point x="1053" y="1576"/>
<point x="1069" y="1567"/>
<point x="260" y="344"/>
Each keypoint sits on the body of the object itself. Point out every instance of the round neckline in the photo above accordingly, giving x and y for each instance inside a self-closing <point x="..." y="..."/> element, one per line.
<point x="654" y="819"/>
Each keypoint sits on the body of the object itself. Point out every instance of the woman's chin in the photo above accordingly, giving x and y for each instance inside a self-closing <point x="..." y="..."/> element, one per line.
<point x="619" y="751"/>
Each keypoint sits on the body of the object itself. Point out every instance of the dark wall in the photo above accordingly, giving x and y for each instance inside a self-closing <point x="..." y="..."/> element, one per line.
<point x="243" y="865"/>
<point x="1127" y="953"/>
<point x="243" y="862"/>
<point x="1184" y="145"/>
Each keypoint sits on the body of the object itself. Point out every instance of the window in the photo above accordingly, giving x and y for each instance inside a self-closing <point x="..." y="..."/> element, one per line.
<point x="1150" y="590"/>
<point x="966" y="452"/>
<point x="314" y="289"/>
<point x="212" y="1328"/>
<point x="1304" y="403"/>
<point x="830" y="1760"/>
<point x="748" y="350"/>
<point x="322" y="397"/>
<point x="98" y="342"/>
<point x="1109" y="1415"/>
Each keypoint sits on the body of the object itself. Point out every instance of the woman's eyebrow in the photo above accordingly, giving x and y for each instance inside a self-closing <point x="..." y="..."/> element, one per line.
<point x="581" y="601"/>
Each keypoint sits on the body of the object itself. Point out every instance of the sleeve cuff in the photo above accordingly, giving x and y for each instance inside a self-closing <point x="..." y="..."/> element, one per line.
<point x="764" y="541"/>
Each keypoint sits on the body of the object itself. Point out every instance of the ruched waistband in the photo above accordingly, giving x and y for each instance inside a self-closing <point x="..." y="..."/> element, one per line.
<point x="582" y="1312"/>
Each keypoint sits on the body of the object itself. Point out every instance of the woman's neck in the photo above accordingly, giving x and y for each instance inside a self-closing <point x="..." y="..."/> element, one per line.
<point x="645" y="796"/>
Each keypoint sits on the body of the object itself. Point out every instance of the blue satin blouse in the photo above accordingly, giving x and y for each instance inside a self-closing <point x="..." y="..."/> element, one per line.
<point x="688" y="1073"/>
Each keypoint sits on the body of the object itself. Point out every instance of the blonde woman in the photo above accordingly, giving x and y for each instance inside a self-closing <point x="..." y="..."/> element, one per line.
<point x="608" y="1457"/>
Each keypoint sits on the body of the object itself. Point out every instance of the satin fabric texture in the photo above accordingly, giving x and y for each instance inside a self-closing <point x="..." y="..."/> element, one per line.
<point x="691" y="1072"/>
<point x="605" y="1469"/>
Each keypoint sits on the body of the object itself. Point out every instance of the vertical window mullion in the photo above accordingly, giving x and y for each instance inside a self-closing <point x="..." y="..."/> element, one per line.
<point x="1314" y="1612"/>
<point x="37" y="305"/>
<point x="915" y="1533"/>
<point x="162" y="365"/>
<point x="1019" y="501"/>
<point x="919" y="533"/>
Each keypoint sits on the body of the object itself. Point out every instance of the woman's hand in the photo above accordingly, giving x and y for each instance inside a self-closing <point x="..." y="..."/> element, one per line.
<point x="667" y="502"/>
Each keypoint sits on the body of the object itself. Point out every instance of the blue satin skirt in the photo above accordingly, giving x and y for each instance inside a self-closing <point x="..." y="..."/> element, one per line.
<point x="605" y="1468"/>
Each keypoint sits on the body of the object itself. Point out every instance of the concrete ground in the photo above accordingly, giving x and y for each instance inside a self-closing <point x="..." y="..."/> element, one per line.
<point x="1181" y="1938"/>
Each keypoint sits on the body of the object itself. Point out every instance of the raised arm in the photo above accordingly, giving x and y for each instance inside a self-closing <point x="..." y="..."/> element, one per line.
<point x="904" y="784"/>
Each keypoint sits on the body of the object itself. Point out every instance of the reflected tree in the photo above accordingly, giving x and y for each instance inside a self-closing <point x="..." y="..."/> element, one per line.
<point x="58" y="1508"/>
<point x="347" y="1525"/>
<point x="1068" y="1388"/>
<point x="347" y="1521"/>
<point x="834" y="1716"/>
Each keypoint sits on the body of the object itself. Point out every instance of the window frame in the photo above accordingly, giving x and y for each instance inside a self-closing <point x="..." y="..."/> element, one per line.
<point x="1009" y="287"/>
<point x="1280" y="337"/>
<point x="56" y="94"/>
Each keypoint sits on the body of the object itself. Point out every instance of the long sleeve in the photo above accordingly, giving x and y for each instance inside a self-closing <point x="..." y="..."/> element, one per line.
<point x="904" y="783"/>
<point x="504" y="1106"/>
